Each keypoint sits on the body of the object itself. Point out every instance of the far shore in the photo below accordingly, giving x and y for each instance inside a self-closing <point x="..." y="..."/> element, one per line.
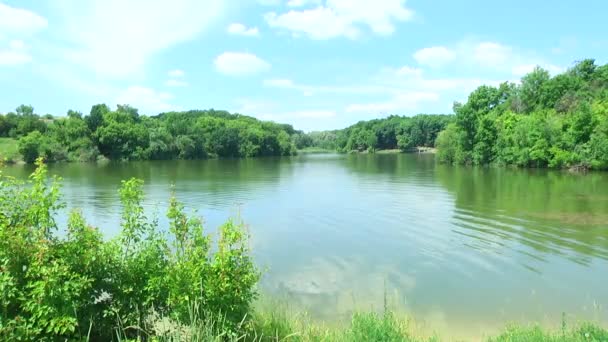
<point x="417" y="149"/>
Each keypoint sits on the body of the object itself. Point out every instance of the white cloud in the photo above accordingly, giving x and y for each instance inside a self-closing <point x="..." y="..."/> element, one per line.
<point x="176" y="73"/>
<point x="15" y="54"/>
<point x="491" y="54"/>
<point x="176" y="83"/>
<point x="300" y="3"/>
<point x="435" y="56"/>
<point x="18" y="21"/>
<point x="407" y="71"/>
<point x="503" y="58"/>
<point x="319" y="23"/>
<point x="279" y="83"/>
<point x="484" y="56"/>
<point x="342" y="18"/>
<point x="405" y="101"/>
<point x="391" y="81"/>
<point x="147" y="100"/>
<point x="12" y="57"/>
<point x="176" y="79"/>
<point x="240" y="64"/>
<point x="116" y="38"/>
<point x="242" y="30"/>
<point x="401" y="90"/>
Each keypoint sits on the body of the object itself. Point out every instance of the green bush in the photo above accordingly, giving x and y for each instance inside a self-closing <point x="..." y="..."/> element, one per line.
<point x="75" y="285"/>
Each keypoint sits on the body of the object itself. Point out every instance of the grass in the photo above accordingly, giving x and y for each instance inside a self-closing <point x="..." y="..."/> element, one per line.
<point x="277" y="325"/>
<point x="9" y="151"/>
<point x="584" y="332"/>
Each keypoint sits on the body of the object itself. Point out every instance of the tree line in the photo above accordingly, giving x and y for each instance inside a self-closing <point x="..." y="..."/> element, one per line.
<point x="556" y="121"/>
<point x="393" y="132"/>
<point x="544" y="121"/>
<point x="124" y="134"/>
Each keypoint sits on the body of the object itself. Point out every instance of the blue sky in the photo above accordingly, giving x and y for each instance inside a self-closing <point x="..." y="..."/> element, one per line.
<point x="317" y="64"/>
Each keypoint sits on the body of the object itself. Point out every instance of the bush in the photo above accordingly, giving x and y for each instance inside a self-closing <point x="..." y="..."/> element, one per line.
<point x="68" y="286"/>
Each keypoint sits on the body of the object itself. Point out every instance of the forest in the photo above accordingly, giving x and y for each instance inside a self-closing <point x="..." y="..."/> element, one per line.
<point x="393" y="132"/>
<point x="124" y="134"/>
<point x="544" y="121"/>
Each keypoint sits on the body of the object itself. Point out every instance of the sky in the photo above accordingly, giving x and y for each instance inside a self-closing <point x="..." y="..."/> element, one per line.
<point x="315" y="64"/>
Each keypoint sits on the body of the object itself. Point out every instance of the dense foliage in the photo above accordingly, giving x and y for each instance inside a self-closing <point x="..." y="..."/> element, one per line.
<point x="393" y="132"/>
<point x="71" y="284"/>
<point x="123" y="134"/>
<point x="544" y="121"/>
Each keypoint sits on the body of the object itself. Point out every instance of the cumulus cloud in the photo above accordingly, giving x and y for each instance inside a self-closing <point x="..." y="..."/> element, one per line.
<point x="147" y="100"/>
<point x="116" y="38"/>
<point x="407" y="71"/>
<point x="14" y="54"/>
<point x="18" y="21"/>
<point x="435" y="56"/>
<point x="240" y="64"/>
<point x="342" y="18"/>
<point x="242" y="30"/>
<point x="491" y="54"/>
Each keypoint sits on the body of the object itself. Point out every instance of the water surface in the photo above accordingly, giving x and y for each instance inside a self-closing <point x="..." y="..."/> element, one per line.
<point x="463" y="250"/>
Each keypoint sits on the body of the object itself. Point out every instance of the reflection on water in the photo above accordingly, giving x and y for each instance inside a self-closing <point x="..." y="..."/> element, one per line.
<point x="465" y="249"/>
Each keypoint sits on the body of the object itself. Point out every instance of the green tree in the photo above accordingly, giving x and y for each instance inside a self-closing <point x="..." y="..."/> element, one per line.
<point x="31" y="146"/>
<point x="95" y="117"/>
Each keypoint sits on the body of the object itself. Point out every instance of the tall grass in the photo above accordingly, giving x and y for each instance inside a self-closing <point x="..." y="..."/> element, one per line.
<point x="278" y="325"/>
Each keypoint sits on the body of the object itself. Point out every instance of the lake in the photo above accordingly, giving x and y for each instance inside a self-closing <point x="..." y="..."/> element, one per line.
<point x="463" y="250"/>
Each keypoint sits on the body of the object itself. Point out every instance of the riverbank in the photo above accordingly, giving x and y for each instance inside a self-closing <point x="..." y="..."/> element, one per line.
<point x="278" y="325"/>
<point x="315" y="150"/>
<point x="415" y="149"/>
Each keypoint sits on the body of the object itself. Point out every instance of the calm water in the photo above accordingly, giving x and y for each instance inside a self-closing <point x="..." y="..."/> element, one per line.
<point x="463" y="250"/>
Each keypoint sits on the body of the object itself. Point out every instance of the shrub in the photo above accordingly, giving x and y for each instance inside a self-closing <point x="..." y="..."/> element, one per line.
<point x="76" y="285"/>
